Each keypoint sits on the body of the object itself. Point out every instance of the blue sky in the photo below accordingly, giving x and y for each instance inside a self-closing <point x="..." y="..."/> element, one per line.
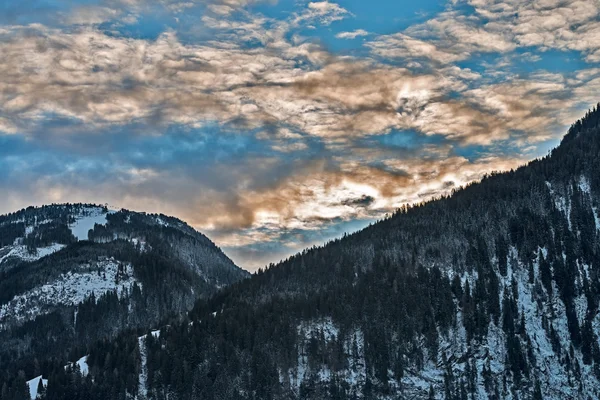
<point x="276" y="125"/>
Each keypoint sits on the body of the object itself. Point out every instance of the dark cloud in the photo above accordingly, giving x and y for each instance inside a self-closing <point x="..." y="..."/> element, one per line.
<point x="363" y="201"/>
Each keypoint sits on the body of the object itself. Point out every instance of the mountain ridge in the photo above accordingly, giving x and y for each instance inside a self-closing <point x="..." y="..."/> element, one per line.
<point x="489" y="293"/>
<point x="494" y="229"/>
<point x="72" y="274"/>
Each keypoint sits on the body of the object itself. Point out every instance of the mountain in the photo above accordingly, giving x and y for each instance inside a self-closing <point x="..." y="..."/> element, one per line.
<point x="72" y="274"/>
<point x="490" y="293"/>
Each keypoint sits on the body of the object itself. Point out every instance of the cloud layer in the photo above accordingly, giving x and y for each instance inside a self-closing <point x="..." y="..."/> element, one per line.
<point x="258" y="131"/>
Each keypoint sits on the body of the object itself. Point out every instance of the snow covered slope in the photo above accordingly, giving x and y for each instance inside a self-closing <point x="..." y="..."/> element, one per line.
<point x="69" y="289"/>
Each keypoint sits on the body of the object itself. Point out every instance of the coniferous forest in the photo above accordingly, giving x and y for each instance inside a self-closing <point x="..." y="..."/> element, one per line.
<point x="489" y="293"/>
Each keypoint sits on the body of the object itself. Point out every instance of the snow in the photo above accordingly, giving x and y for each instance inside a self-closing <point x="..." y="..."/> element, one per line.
<point x="357" y="373"/>
<point x="33" y="386"/>
<point x="142" y="243"/>
<point x="420" y="382"/>
<point x="326" y="327"/>
<point x="143" y="377"/>
<point x="556" y="380"/>
<point x="490" y="352"/>
<point x="68" y="289"/>
<point x="83" y="365"/>
<point x="161" y="222"/>
<point x="564" y="205"/>
<point x="533" y="325"/>
<point x="86" y="221"/>
<point x="581" y="308"/>
<point x="30" y="228"/>
<point x="34" y="383"/>
<point x="584" y="185"/>
<point x="21" y="252"/>
<point x="326" y="330"/>
<point x="322" y="329"/>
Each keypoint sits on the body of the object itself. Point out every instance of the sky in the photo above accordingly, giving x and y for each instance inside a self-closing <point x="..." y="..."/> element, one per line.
<point x="272" y="126"/>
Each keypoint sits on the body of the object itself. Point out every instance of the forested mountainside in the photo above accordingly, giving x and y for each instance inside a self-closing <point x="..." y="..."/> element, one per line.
<point x="491" y="293"/>
<point x="72" y="274"/>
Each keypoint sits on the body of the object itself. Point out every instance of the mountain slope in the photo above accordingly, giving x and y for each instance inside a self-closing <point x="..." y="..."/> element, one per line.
<point x="490" y="293"/>
<point x="72" y="274"/>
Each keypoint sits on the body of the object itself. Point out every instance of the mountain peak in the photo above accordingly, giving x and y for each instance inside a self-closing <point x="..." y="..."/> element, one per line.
<point x="589" y="122"/>
<point x="94" y="271"/>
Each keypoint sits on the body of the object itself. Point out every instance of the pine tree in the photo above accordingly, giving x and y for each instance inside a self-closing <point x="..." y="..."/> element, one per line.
<point x="537" y="391"/>
<point x="41" y="389"/>
<point x="431" y="393"/>
<point x="21" y="390"/>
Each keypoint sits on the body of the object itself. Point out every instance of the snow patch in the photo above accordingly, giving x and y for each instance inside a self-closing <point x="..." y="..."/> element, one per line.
<point x="30" y="228"/>
<point x="86" y="221"/>
<point x="141" y="243"/>
<point x="161" y="222"/>
<point x="21" y="252"/>
<point x="324" y="327"/>
<point x="143" y="376"/>
<point x="83" y="365"/>
<point x="584" y="185"/>
<point x="34" y="384"/>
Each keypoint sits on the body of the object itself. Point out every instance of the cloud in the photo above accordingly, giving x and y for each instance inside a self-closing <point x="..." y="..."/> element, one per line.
<point x="265" y="139"/>
<point x="352" y="35"/>
<point x="91" y="15"/>
<point x="445" y="39"/>
<point x="499" y="27"/>
<point x="528" y="109"/>
<point x="404" y="47"/>
<point x="324" y="11"/>
<point x="103" y="80"/>
<point x="241" y="195"/>
<point x="362" y="201"/>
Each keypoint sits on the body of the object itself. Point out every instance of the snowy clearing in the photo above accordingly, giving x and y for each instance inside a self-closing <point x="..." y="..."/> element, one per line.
<point x="86" y="221"/>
